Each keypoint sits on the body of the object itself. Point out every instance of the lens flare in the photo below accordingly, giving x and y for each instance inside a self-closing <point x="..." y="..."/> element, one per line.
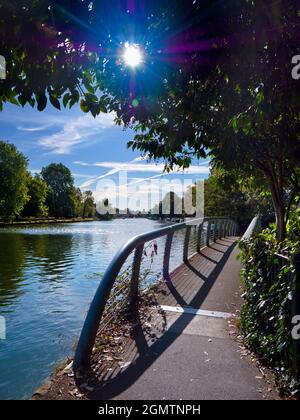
<point x="132" y="55"/>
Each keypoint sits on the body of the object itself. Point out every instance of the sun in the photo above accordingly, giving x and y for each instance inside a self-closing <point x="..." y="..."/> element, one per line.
<point x="132" y="55"/>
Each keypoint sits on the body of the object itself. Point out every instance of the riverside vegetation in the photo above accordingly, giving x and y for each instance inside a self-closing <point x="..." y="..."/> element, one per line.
<point x="50" y="194"/>
<point x="266" y="317"/>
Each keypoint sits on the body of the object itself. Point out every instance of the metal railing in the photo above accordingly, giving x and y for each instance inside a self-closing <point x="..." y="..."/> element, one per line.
<point x="118" y="289"/>
<point x="255" y="226"/>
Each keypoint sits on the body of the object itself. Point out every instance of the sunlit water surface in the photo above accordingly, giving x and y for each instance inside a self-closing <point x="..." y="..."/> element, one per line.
<point x="48" y="276"/>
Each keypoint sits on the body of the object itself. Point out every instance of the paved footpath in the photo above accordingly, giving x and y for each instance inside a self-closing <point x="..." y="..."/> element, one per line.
<point x="193" y="356"/>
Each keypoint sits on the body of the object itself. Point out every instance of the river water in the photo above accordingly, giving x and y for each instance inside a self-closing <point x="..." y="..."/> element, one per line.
<point x="48" y="277"/>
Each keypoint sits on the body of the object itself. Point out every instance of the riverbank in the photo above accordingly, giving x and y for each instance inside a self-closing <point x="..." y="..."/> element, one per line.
<point x="45" y="221"/>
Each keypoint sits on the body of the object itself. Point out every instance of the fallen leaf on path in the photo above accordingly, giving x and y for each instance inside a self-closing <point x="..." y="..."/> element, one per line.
<point x="124" y="365"/>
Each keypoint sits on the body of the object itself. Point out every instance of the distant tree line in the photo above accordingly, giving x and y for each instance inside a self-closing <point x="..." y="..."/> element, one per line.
<point x="51" y="193"/>
<point x="224" y="196"/>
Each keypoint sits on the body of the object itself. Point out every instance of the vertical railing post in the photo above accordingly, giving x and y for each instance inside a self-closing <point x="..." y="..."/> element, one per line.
<point x="167" y="253"/>
<point x="220" y="229"/>
<point x="215" y="229"/>
<point x="136" y="266"/>
<point x="199" y="237"/>
<point x="236" y="229"/>
<point x="186" y="243"/>
<point x="208" y="233"/>
<point x="231" y="227"/>
<point x="225" y="228"/>
<point x="296" y="308"/>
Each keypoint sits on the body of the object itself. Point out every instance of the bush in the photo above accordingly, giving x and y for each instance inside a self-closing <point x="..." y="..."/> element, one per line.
<point x="293" y="231"/>
<point x="267" y="309"/>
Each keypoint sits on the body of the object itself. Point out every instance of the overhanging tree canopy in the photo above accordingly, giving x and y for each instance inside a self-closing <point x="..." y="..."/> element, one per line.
<point x="217" y="77"/>
<point x="71" y="50"/>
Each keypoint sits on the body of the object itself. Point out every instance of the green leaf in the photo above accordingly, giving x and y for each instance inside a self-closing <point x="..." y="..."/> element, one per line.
<point x="260" y="98"/>
<point x="247" y="127"/>
<point x="89" y="88"/>
<point x="84" y="106"/>
<point x="55" y="102"/>
<point x="41" y="101"/>
<point x="103" y="107"/>
<point x="75" y="98"/>
<point x="238" y="89"/>
<point x="234" y="124"/>
<point x="13" y="101"/>
<point x="66" y="99"/>
<point x="22" y="100"/>
<point x="90" y="97"/>
<point x="31" y="102"/>
<point x="94" y="112"/>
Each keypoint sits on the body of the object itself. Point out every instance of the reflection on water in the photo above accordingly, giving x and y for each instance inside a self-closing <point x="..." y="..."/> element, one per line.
<point x="48" y="276"/>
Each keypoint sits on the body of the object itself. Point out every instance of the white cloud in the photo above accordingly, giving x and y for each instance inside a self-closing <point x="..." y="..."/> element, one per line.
<point x="83" y="176"/>
<point x="136" y="166"/>
<point x="76" y="131"/>
<point x="33" y="129"/>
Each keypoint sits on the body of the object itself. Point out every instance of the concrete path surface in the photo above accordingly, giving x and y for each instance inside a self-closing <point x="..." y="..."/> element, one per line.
<point x="193" y="356"/>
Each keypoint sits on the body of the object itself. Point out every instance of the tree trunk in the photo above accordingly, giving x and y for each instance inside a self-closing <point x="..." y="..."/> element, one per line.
<point x="280" y="211"/>
<point x="280" y="223"/>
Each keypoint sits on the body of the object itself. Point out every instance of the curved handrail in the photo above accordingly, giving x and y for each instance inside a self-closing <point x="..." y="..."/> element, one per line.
<point x="94" y="315"/>
<point x="254" y="226"/>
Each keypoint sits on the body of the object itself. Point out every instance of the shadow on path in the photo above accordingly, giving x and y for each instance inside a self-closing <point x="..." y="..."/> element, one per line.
<point x="145" y="352"/>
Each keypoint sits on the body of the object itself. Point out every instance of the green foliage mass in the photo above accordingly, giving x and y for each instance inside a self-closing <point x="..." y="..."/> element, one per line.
<point x="228" y="196"/>
<point x="60" y="182"/>
<point x="293" y="229"/>
<point x="266" y="318"/>
<point x="223" y="198"/>
<point x="88" y="205"/>
<point x="37" y="192"/>
<point x="43" y="66"/>
<point x="51" y="194"/>
<point x="13" y="181"/>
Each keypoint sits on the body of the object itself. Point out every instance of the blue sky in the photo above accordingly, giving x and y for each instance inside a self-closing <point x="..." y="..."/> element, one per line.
<point x="93" y="149"/>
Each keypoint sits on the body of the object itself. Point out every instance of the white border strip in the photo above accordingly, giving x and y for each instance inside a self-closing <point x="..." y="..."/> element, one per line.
<point x="198" y="312"/>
